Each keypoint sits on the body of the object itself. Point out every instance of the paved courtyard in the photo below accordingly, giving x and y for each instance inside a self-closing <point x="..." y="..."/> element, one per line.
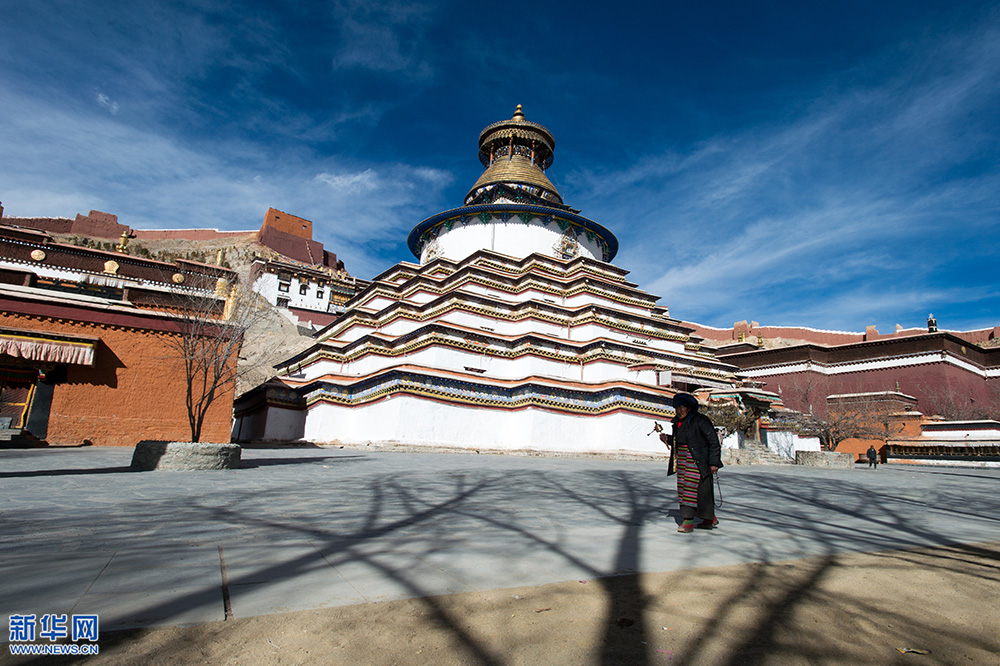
<point x="299" y="529"/>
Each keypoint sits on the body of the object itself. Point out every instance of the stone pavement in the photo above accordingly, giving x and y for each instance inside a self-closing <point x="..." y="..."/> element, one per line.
<point x="299" y="529"/>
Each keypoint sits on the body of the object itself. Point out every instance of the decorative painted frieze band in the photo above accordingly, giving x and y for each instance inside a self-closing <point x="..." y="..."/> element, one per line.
<point x="512" y="312"/>
<point x="436" y="335"/>
<point x="520" y="396"/>
<point x="405" y="291"/>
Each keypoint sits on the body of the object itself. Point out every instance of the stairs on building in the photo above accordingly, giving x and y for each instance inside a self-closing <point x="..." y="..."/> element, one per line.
<point x="17" y="438"/>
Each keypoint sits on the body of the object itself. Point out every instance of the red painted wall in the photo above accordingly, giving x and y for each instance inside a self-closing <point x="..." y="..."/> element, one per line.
<point x="289" y="224"/>
<point x="930" y="384"/>
<point x="134" y="391"/>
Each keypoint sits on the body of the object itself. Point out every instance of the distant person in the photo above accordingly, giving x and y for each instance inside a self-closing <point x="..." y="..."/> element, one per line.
<point x="872" y="457"/>
<point x="697" y="453"/>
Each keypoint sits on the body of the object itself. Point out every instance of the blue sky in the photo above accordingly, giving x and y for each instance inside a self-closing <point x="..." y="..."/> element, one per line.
<point x="831" y="165"/>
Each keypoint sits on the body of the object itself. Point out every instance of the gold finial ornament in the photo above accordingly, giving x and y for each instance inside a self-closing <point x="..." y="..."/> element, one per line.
<point x="123" y="243"/>
<point x="515" y="152"/>
<point x="231" y="306"/>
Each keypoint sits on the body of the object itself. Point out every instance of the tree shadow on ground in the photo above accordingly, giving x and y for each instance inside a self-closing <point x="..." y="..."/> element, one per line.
<point x="27" y="474"/>
<point x="409" y="522"/>
<point x="306" y="460"/>
<point x="798" y="614"/>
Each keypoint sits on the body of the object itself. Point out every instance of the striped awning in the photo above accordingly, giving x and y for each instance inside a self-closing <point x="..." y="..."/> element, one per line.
<point x="38" y="346"/>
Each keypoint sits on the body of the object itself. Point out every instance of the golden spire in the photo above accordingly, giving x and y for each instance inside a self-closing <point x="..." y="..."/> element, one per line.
<point x="516" y="151"/>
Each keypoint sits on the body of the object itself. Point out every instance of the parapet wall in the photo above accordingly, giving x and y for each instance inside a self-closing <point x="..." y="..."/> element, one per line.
<point x="743" y="331"/>
<point x="980" y="337"/>
<point x="94" y="225"/>
<point x="53" y="225"/>
<point x="190" y="234"/>
<point x="105" y="225"/>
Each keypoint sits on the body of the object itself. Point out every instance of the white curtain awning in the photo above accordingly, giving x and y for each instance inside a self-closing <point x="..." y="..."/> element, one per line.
<point x="36" y="347"/>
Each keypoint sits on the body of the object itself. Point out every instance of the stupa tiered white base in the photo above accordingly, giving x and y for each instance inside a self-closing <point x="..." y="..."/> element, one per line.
<point x="492" y="352"/>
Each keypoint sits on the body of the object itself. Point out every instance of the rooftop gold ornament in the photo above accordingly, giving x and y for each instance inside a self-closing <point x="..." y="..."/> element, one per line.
<point x="123" y="242"/>
<point x="516" y="151"/>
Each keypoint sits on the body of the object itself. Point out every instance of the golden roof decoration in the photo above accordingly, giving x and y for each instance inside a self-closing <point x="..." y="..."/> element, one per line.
<point x="516" y="151"/>
<point x="517" y="169"/>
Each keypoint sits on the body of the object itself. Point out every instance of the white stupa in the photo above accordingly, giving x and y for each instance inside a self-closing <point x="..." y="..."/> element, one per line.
<point x="513" y="332"/>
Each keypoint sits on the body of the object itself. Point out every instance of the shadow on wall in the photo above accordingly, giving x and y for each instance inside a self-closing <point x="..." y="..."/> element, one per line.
<point x="103" y="373"/>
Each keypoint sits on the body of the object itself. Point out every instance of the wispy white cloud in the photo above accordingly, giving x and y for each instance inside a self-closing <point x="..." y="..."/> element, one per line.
<point x="72" y="162"/>
<point x="384" y="37"/>
<point x="755" y="221"/>
<point x="107" y="103"/>
<point x="350" y="184"/>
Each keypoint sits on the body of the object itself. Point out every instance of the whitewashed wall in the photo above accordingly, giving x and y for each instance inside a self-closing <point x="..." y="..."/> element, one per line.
<point x="448" y="358"/>
<point x="783" y="442"/>
<point x="415" y="421"/>
<point x="959" y="430"/>
<point x="266" y="285"/>
<point x="513" y="238"/>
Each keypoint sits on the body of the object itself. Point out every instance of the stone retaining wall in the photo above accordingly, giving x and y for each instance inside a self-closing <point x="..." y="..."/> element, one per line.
<point x="824" y="459"/>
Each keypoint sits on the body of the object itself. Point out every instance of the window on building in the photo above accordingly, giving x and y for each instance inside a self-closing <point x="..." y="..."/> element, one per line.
<point x="283" y="286"/>
<point x="282" y="302"/>
<point x="319" y="294"/>
<point x="303" y="289"/>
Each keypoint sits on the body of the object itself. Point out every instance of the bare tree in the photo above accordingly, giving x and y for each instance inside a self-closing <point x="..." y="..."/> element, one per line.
<point x="804" y="391"/>
<point x="730" y="418"/>
<point x="957" y="405"/>
<point x="212" y="330"/>
<point x="859" y="416"/>
<point x="993" y="397"/>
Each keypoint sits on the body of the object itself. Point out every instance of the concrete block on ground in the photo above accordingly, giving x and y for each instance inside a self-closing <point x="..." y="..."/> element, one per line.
<point x="150" y="455"/>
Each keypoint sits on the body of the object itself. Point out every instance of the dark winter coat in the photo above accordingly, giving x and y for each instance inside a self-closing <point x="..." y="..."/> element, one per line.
<point x="872" y="454"/>
<point x="698" y="433"/>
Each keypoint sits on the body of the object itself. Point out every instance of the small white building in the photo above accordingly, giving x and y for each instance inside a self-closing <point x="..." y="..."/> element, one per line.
<point x="311" y="297"/>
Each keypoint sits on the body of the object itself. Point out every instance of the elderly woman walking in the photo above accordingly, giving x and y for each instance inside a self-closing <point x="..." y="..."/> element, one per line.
<point x="697" y="454"/>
